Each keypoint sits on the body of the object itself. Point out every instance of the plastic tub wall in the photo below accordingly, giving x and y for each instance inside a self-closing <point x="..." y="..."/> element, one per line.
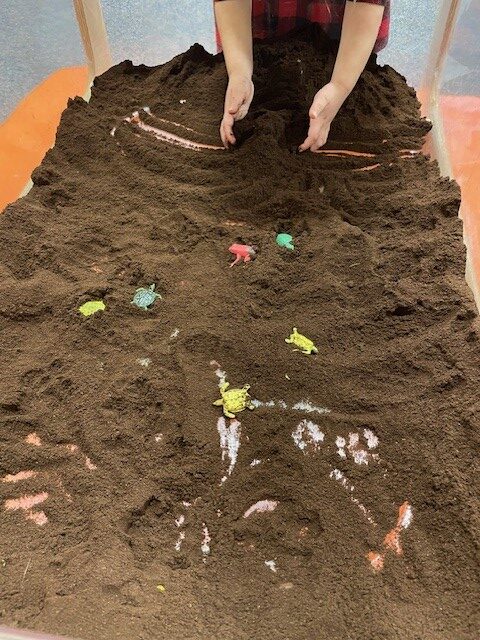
<point x="460" y="111"/>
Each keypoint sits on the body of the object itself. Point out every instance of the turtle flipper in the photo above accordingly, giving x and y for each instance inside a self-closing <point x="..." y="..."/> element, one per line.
<point x="228" y="414"/>
<point x="288" y="340"/>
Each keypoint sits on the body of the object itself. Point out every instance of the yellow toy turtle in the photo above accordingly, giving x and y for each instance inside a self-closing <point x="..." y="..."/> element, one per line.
<point x="305" y="345"/>
<point x="234" y="400"/>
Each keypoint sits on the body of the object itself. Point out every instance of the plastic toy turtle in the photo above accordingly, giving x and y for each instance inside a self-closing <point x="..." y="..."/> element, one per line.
<point x="145" y="296"/>
<point x="305" y="345"/>
<point x="245" y="251"/>
<point x="234" y="400"/>
<point x="91" y="307"/>
<point x="285" y="240"/>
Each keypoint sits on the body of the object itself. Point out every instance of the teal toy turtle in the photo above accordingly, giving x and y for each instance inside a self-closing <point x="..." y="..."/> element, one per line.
<point x="305" y="345"/>
<point x="285" y="240"/>
<point x="145" y="296"/>
<point x="234" y="400"/>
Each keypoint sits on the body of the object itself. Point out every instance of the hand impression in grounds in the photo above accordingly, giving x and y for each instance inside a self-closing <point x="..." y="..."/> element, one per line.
<point x="325" y="107"/>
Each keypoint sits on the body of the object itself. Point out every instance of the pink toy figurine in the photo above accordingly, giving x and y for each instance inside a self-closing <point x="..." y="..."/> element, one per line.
<point x="244" y="251"/>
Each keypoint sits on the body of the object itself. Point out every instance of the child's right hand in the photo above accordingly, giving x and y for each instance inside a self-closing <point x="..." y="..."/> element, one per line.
<point x="238" y="98"/>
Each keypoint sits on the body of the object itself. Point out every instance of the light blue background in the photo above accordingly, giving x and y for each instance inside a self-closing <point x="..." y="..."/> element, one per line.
<point x="39" y="36"/>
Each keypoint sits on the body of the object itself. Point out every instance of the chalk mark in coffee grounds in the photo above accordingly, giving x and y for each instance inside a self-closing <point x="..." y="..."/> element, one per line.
<point x="391" y="542"/>
<point x="27" y="503"/>
<point x="307" y="435"/>
<point x="165" y="136"/>
<point x="176" y="140"/>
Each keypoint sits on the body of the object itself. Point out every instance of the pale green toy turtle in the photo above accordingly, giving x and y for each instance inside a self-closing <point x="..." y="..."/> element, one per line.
<point x="145" y="297"/>
<point x="92" y="306"/>
<point x="305" y="345"/>
<point x="234" y="400"/>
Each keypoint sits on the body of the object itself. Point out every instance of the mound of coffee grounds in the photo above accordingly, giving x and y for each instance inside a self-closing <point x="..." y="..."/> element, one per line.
<point x="344" y="505"/>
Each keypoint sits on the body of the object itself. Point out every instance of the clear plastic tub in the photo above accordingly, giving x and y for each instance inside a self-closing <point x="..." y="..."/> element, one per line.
<point x="51" y="50"/>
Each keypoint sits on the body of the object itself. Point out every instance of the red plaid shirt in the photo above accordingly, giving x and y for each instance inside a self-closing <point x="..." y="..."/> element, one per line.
<point x="271" y="18"/>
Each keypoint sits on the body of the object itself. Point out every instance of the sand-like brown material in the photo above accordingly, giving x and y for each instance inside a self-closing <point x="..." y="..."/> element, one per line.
<point x="113" y="452"/>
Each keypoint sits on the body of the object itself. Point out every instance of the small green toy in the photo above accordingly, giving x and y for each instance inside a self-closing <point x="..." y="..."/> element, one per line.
<point x="145" y="297"/>
<point x="305" y="345"/>
<point x="285" y="240"/>
<point x="234" y="400"/>
<point x="91" y="307"/>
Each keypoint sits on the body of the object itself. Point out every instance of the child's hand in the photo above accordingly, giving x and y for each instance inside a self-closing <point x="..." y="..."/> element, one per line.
<point x="325" y="107"/>
<point x="238" y="98"/>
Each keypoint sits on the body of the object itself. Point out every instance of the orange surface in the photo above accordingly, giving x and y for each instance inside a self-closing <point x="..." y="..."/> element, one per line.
<point x="29" y="131"/>
<point x="461" y="115"/>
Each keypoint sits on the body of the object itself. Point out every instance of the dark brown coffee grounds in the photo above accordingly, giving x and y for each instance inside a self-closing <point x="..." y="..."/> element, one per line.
<point x="132" y="525"/>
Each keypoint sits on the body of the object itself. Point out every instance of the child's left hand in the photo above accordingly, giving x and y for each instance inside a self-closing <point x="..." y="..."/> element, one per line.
<point x="325" y="107"/>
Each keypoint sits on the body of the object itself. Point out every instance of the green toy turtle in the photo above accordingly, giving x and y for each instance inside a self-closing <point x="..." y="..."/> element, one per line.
<point x="145" y="297"/>
<point x="305" y="345"/>
<point x="92" y="306"/>
<point x="234" y="400"/>
<point x="285" y="240"/>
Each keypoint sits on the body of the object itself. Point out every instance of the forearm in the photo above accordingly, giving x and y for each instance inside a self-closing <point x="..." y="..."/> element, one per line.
<point x="234" y="24"/>
<point x="360" y="27"/>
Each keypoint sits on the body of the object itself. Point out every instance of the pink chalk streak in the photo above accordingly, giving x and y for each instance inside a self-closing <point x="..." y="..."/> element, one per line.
<point x="171" y="138"/>
<point x="21" y="475"/>
<point x="89" y="464"/>
<point x="32" y="438"/>
<point x="25" y="502"/>
<point x="38" y="517"/>
<point x="344" y="152"/>
<point x="369" y="168"/>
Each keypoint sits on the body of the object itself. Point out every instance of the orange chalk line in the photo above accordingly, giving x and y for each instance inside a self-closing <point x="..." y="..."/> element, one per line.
<point x="392" y="539"/>
<point x="343" y="153"/>
<point x="376" y="560"/>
